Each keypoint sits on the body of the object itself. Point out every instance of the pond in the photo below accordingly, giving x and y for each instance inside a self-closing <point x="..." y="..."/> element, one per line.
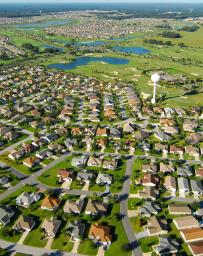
<point x="81" y="61"/>
<point x="43" y="24"/>
<point x="50" y="46"/>
<point x="90" y="43"/>
<point x="134" y="50"/>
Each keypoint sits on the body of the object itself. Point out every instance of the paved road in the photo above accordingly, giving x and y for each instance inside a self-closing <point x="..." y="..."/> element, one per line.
<point x="124" y="211"/>
<point x="32" y="250"/>
<point x="15" y="172"/>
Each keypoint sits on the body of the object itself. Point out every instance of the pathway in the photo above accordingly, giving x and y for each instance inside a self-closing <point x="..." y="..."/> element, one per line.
<point x="101" y="251"/>
<point x="75" y="246"/>
<point x="22" y="239"/>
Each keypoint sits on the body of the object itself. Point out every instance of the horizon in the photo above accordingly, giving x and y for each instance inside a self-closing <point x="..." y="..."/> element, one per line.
<point x="101" y="1"/>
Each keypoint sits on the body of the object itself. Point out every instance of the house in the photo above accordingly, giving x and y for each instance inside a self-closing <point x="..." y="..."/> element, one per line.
<point x="171" y="130"/>
<point x="161" y="148"/>
<point x="192" y="151"/>
<point x="51" y="137"/>
<point x="154" y="227"/>
<point x="185" y="222"/>
<point x="166" y="246"/>
<point x="110" y="164"/>
<point x="170" y="184"/>
<point x="3" y="181"/>
<point x="183" y="185"/>
<point x="190" y="235"/>
<point x="196" y="248"/>
<point x="189" y="125"/>
<point x="94" y="161"/>
<point x="199" y="172"/>
<point x="115" y="133"/>
<point x="74" y="206"/>
<point x="26" y="199"/>
<point x="179" y="209"/>
<point x="76" y="230"/>
<point x="152" y="168"/>
<point x="96" y="208"/>
<point x="101" y="132"/>
<point x="100" y="233"/>
<point x="196" y="186"/>
<point x="129" y="127"/>
<point x="44" y="154"/>
<point x="85" y="175"/>
<point x="185" y="171"/>
<point x="55" y="147"/>
<point x="50" y="203"/>
<point x="4" y="130"/>
<point x="149" y="179"/>
<point x="166" y="168"/>
<point x="79" y="161"/>
<point x="76" y="131"/>
<point x="176" y="150"/>
<point x="150" y="208"/>
<point x="31" y="161"/>
<point x="104" y="179"/>
<point x="64" y="175"/>
<point x="148" y="193"/>
<point x="50" y="227"/>
<point x="24" y="223"/>
<point x="16" y="154"/>
<point x="6" y="213"/>
<point x="162" y="136"/>
<point x="69" y="143"/>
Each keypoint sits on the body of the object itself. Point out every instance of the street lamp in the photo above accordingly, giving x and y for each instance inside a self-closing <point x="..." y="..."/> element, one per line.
<point x="155" y="78"/>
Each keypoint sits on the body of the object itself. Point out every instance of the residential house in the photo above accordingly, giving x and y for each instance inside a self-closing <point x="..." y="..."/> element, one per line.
<point x="104" y="179"/>
<point x="154" y="227"/>
<point x="148" y="193"/>
<point x="170" y="184"/>
<point x="129" y="127"/>
<point x="76" y="230"/>
<point x="94" y="161"/>
<point x="65" y="175"/>
<point x="179" y="209"/>
<point x="74" y="206"/>
<point x="6" y="213"/>
<point x="31" y="161"/>
<point x="166" y="168"/>
<point x="50" y="203"/>
<point x="196" y="186"/>
<point x="79" y="161"/>
<point x="176" y="150"/>
<point x="50" y="137"/>
<point x="26" y="199"/>
<point x="185" y="222"/>
<point x="149" y="179"/>
<point x="96" y="208"/>
<point x="44" y="154"/>
<point x="192" y="151"/>
<point x="185" y="171"/>
<point x="100" y="233"/>
<point x="85" y="175"/>
<point x="196" y="248"/>
<point x="190" y="235"/>
<point x="110" y="164"/>
<point x="183" y="185"/>
<point x="150" y="208"/>
<point x="166" y="246"/>
<point x="50" y="227"/>
<point x="24" y="223"/>
<point x="102" y="132"/>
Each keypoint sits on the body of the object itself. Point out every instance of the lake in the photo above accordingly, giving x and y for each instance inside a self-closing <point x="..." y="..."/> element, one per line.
<point x="134" y="50"/>
<point x="81" y="61"/>
<point x="90" y="43"/>
<point x="43" y="24"/>
<point x="50" y="46"/>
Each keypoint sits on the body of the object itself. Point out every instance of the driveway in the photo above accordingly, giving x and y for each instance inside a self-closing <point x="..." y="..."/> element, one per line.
<point x="75" y="246"/>
<point x="101" y="251"/>
<point x="86" y="186"/>
<point x="49" y="242"/>
<point x="22" y="239"/>
<point x="66" y="184"/>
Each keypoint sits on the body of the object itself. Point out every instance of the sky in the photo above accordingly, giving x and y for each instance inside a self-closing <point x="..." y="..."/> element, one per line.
<point x="100" y="1"/>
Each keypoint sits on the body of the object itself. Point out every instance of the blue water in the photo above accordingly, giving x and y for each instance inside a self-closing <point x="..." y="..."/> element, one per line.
<point x="134" y="50"/>
<point x="43" y="24"/>
<point x="81" y="61"/>
<point x="50" y="46"/>
<point x="91" y="43"/>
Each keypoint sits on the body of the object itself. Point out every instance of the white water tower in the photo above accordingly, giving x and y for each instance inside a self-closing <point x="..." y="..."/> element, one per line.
<point x="155" y="78"/>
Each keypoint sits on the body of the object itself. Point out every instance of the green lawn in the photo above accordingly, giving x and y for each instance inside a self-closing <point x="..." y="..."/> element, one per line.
<point x="50" y="176"/>
<point x="87" y="247"/>
<point x="18" y="166"/>
<point x="133" y="203"/>
<point x="146" y="243"/>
